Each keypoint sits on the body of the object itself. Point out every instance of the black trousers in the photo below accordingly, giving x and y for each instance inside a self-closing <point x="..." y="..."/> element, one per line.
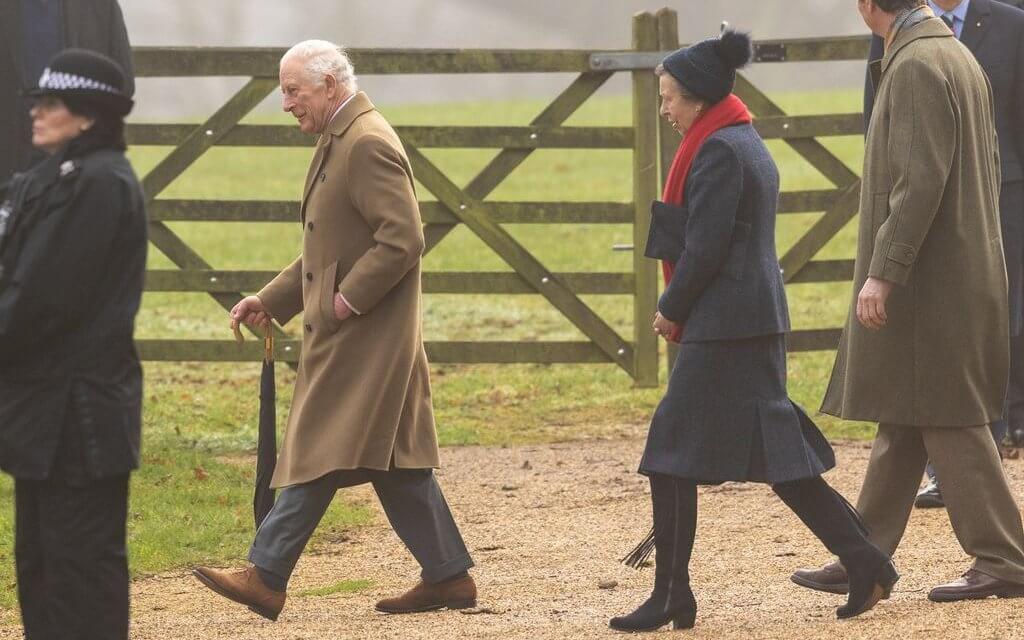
<point x="71" y="557"/>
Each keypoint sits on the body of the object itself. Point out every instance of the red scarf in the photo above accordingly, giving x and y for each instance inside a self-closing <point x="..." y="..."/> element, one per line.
<point x="726" y="113"/>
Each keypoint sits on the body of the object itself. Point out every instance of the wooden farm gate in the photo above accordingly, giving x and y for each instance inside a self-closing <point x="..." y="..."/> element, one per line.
<point x="652" y="146"/>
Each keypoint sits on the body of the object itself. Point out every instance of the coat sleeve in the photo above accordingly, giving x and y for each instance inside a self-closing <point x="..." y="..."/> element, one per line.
<point x="382" y="191"/>
<point x="283" y="295"/>
<point x="713" y="191"/>
<point x="920" y="149"/>
<point x="120" y="47"/>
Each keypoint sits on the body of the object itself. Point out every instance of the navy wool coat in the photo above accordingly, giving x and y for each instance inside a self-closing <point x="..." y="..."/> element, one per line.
<point x="726" y="415"/>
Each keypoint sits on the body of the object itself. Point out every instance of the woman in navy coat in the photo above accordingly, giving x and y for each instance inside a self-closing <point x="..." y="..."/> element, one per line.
<point x="726" y="415"/>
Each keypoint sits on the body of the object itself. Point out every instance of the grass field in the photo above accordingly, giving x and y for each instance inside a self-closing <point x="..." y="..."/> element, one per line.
<point x="191" y="500"/>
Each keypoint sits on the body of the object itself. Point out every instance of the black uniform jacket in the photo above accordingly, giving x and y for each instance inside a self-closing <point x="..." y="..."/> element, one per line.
<point x="73" y="270"/>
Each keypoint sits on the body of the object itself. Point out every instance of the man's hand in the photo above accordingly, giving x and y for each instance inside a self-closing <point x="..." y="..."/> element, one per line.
<point x="663" y="326"/>
<point x="341" y="310"/>
<point x="871" y="303"/>
<point x="250" y="311"/>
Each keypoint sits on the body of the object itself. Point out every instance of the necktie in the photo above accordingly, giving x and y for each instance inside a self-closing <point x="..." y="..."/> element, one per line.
<point x="948" y="19"/>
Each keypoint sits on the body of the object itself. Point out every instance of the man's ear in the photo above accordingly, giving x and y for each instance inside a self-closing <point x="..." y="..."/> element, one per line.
<point x="331" y="83"/>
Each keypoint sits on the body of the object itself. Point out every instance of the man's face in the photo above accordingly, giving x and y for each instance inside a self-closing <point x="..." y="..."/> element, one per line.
<point x="312" y="104"/>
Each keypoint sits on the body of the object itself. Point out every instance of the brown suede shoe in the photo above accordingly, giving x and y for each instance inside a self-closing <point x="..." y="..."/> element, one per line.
<point x="244" y="587"/>
<point x="975" y="585"/>
<point x="455" y="593"/>
<point x="831" y="579"/>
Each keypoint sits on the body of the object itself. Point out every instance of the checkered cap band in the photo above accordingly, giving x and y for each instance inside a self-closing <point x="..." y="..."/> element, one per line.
<point x="60" y="81"/>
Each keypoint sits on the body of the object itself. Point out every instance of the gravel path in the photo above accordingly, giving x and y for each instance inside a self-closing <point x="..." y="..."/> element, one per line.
<point x="546" y="525"/>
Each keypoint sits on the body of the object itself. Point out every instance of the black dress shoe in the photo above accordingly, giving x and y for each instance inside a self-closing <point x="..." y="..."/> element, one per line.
<point x="975" y="585"/>
<point x="930" y="497"/>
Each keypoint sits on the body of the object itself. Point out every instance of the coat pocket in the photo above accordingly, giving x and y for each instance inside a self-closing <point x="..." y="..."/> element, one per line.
<point x="738" y="249"/>
<point x="328" y="287"/>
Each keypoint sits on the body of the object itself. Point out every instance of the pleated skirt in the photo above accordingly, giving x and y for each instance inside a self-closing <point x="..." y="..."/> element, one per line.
<point x="726" y="416"/>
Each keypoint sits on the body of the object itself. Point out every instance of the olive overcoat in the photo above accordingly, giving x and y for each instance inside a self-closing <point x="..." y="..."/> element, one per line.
<point x="362" y="395"/>
<point x="929" y="222"/>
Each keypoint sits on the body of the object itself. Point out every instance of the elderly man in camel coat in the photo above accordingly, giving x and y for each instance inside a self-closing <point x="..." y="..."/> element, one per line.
<point x="925" y="352"/>
<point x="361" y="411"/>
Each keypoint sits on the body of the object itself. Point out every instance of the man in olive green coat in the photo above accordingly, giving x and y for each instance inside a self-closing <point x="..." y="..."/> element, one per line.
<point x="361" y="411"/>
<point x="925" y="350"/>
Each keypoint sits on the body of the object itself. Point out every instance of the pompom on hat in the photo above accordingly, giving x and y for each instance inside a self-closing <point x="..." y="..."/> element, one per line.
<point x="87" y="76"/>
<point x="708" y="69"/>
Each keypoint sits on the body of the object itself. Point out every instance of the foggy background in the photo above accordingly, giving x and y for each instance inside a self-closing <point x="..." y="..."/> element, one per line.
<point x="555" y="24"/>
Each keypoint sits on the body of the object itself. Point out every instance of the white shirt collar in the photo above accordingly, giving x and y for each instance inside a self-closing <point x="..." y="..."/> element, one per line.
<point x="340" y="107"/>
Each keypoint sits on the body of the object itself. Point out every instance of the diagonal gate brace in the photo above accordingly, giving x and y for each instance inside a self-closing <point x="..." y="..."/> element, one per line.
<point x="469" y="211"/>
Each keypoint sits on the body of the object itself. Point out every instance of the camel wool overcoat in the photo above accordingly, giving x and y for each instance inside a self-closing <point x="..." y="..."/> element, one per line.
<point x="362" y="394"/>
<point x="929" y="222"/>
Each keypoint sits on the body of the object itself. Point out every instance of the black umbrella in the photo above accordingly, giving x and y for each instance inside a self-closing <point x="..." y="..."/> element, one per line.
<point x="266" y="449"/>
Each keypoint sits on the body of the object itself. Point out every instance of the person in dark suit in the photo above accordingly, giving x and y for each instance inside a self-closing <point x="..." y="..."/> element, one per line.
<point x="72" y="261"/>
<point x="726" y="415"/>
<point x="32" y="32"/>
<point x="994" y="32"/>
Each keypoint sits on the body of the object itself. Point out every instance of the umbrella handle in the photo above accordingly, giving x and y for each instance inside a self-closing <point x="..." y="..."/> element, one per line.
<point x="268" y="343"/>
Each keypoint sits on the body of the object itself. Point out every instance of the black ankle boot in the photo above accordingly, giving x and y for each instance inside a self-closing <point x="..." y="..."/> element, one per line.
<point x="871" y="579"/>
<point x="839" y="527"/>
<point x="675" y="520"/>
<point x="653" y="615"/>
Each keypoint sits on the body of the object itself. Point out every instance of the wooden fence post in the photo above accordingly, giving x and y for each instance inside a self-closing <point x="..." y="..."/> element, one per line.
<point x="645" y="189"/>
<point x="668" y="138"/>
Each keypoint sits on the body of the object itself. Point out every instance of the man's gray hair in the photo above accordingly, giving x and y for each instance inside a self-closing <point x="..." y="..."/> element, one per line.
<point x="322" y="59"/>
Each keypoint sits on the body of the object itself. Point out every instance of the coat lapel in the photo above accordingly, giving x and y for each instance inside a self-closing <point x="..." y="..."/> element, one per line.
<point x="315" y="166"/>
<point x="356" y="107"/>
<point x="976" y="24"/>
<point x="10" y="29"/>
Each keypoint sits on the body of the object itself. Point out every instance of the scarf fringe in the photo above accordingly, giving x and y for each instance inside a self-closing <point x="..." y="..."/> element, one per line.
<point x="639" y="555"/>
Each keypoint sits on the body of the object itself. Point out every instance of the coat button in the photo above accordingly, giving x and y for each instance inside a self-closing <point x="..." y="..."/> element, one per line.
<point x="309" y="225"/>
<point x="323" y="177"/>
<point x="309" y="328"/>
<point x="309" y="275"/>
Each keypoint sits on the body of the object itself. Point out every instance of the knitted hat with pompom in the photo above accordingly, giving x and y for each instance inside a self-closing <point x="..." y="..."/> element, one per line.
<point x="708" y="68"/>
